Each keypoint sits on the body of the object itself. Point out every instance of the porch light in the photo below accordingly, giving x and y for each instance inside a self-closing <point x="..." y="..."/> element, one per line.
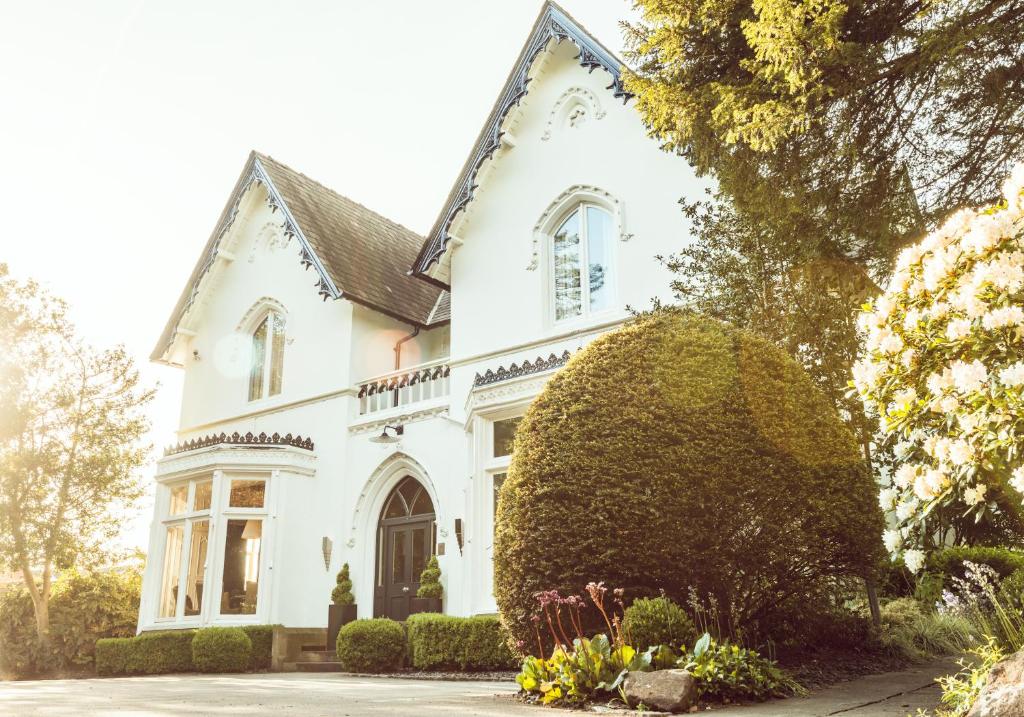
<point x="385" y="438"/>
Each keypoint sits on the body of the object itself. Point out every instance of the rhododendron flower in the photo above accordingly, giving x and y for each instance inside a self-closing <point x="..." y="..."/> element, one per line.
<point x="1012" y="375"/>
<point x="892" y="540"/>
<point x="914" y="560"/>
<point x="969" y="377"/>
<point x="975" y="494"/>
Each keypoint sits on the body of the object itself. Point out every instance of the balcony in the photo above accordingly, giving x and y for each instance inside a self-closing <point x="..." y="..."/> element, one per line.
<point x="403" y="388"/>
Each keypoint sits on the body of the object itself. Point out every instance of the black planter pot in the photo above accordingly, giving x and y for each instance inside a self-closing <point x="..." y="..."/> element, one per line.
<point x="338" y="615"/>
<point x="417" y="605"/>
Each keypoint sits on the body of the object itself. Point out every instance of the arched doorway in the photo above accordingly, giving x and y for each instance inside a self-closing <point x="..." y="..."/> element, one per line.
<point x="405" y="541"/>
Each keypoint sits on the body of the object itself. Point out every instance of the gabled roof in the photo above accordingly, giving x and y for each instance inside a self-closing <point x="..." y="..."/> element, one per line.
<point x="553" y="23"/>
<point x="357" y="254"/>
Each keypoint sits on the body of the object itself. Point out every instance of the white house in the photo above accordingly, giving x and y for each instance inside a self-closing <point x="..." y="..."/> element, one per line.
<point x="312" y="326"/>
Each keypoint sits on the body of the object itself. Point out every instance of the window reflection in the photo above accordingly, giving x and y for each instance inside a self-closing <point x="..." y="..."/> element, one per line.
<point x="240" y="586"/>
<point x="196" y="567"/>
<point x="172" y="570"/>
<point x="247" y="493"/>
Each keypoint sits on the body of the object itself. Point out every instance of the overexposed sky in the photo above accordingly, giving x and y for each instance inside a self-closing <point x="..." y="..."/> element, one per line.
<point x="125" y="123"/>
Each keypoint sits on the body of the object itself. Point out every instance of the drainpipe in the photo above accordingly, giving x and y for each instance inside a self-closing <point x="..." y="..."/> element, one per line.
<point x="398" y="355"/>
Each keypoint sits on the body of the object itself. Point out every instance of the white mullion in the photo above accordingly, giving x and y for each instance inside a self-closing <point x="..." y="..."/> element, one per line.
<point x="584" y="262"/>
<point x="268" y="351"/>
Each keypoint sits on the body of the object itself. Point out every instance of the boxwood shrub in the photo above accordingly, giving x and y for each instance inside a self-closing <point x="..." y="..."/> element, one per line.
<point x="376" y="645"/>
<point x="658" y="621"/>
<point x="444" y="642"/>
<point x="262" y="639"/>
<point x="681" y="452"/>
<point x="112" y="655"/>
<point x="154" y="653"/>
<point x="221" y="649"/>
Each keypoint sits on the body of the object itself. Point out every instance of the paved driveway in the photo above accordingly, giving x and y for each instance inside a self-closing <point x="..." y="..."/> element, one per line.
<point x="308" y="695"/>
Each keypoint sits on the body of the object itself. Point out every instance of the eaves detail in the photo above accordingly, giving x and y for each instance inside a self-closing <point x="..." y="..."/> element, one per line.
<point x="553" y="24"/>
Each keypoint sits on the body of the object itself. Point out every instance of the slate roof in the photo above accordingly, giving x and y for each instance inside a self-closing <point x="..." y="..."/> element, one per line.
<point x="367" y="255"/>
<point x="359" y="254"/>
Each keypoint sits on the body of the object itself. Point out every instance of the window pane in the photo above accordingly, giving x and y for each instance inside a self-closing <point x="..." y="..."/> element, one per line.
<point x="504" y="433"/>
<point x="499" y="480"/>
<point x="247" y="493"/>
<point x="276" y="355"/>
<point x="172" y="571"/>
<point x="240" y="586"/>
<point x="204" y="494"/>
<point x="398" y="557"/>
<point x="599" y="247"/>
<point x="259" y="356"/>
<point x="566" y="257"/>
<point x="419" y="552"/>
<point x="179" y="500"/>
<point x="196" y="567"/>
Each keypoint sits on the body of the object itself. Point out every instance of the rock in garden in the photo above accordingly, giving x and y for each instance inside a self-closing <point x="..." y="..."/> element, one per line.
<point x="1003" y="696"/>
<point x="668" y="690"/>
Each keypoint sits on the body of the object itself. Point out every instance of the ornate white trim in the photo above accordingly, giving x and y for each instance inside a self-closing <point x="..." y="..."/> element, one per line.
<point x="227" y="457"/>
<point x="256" y="312"/>
<point x="402" y="415"/>
<point x="583" y="96"/>
<point x="482" y="400"/>
<point x="563" y="202"/>
<point x="269" y="239"/>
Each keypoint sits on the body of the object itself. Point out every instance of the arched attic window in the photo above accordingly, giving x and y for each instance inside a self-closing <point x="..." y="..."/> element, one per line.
<point x="267" y="355"/>
<point x="581" y="262"/>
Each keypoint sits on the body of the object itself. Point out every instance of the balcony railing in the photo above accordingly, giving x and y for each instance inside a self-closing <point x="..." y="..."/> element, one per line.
<point x="404" y="387"/>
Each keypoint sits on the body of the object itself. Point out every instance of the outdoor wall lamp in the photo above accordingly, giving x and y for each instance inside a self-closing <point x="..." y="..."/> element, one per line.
<point x="385" y="438"/>
<point x="458" y="533"/>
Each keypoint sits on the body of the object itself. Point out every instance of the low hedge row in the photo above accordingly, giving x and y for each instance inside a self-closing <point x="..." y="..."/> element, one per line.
<point x="443" y="642"/>
<point x="212" y="649"/>
<point x="429" y="641"/>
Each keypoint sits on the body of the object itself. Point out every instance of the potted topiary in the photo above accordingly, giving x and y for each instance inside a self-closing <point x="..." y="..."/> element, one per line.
<point x="343" y="607"/>
<point x="428" y="597"/>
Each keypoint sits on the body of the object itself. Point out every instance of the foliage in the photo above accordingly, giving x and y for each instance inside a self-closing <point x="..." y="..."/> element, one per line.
<point x="262" y="639"/>
<point x="961" y="691"/>
<point x="84" y="607"/>
<point x="157" y="653"/>
<point x="728" y="672"/>
<point x="430" y="580"/>
<point x="944" y="371"/>
<point x="445" y="642"/>
<point x="675" y="452"/>
<point x="69" y="441"/>
<point x="112" y="655"/>
<point x="221" y="649"/>
<point x="342" y="593"/>
<point x="835" y="110"/>
<point x="980" y="599"/>
<point x="657" y="621"/>
<point x="951" y="562"/>
<point x="376" y="645"/>
<point x="915" y="634"/>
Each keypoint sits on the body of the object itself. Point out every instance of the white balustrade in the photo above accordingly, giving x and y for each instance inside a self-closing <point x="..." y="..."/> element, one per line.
<point x="403" y="387"/>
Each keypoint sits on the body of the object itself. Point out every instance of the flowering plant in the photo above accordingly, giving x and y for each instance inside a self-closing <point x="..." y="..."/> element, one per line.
<point x="943" y="368"/>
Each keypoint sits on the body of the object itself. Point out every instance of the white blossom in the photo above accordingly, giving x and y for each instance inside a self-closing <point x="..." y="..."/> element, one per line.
<point x="892" y="540"/>
<point x="1017" y="481"/>
<point x="957" y="329"/>
<point x="969" y="377"/>
<point x="1012" y="375"/>
<point x="914" y="560"/>
<point x="887" y="498"/>
<point x="975" y="494"/>
<point x="960" y="452"/>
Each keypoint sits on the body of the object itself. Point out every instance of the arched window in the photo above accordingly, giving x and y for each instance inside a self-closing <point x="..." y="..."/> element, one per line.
<point x="267" y="357"/>
<point x="581" y="262"/>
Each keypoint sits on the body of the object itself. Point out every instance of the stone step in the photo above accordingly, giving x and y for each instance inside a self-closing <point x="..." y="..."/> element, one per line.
<point x="317" y="656"/>
<point x="318" y="666"/>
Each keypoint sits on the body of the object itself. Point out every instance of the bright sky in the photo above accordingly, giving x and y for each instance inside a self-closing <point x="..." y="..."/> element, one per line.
<point x="124" y="125"/>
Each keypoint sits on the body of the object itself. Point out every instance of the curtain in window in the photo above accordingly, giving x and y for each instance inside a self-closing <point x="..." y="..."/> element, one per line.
<point x="259" y="355"/>
<point x="567" y="274"/>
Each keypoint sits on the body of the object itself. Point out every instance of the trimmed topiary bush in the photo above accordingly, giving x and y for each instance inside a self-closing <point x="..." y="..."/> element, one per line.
<point x="376" y="645"/>
<point x="156" y="653"/>
<point x="679" y="451"/>
<point x="444" y="642"/>
<point x="262" y="639"/>
<point x="342" y="593"/>
<point x="949" y="562"/>
<point x="658" y="621"/>
<point x="221" y="649"/>
<point x="112" y="655"/>
<point x="430" y="581"/>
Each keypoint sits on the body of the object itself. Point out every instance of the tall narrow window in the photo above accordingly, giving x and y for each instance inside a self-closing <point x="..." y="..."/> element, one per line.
<point x="582" y="263"/>
<point x="267" y="357"/>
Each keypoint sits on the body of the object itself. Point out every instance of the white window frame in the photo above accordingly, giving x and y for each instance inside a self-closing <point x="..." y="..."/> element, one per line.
<point x="584" y="253"/>
<point x="186" y="520"/>
<point x="228" y="513"/>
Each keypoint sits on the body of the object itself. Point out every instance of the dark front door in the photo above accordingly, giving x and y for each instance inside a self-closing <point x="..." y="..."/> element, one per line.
<point x="408" y="548"/>
<point x="405" y="542"/>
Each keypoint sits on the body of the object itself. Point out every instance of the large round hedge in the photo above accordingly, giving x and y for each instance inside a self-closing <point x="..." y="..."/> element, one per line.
<point x="680" y="452"/>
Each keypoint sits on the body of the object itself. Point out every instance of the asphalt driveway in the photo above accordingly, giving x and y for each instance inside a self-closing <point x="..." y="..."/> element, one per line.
<point x="294" y="693"/>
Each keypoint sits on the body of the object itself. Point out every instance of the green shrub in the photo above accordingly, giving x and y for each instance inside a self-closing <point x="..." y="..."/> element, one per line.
<point x="84" y="607"/>
<point x="727" y="673"/>
<point x="262" y="639"/>
<point x="1012" y="591"/>
<point x="430" y="580"/>
<point x="679" y="451"/>
<point x="901" y="612"/>
<point x="950" y="561"/>
<point x="112" y="655"/>
<point x="342" y="593"/>
<point x="916" y="634"/>
<point x="157" y="653"/>
<point x="221" y="649"/>
<point x="376" y="645"/>
<point x="658" y="621"/>
<point x="444" y="642"/>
